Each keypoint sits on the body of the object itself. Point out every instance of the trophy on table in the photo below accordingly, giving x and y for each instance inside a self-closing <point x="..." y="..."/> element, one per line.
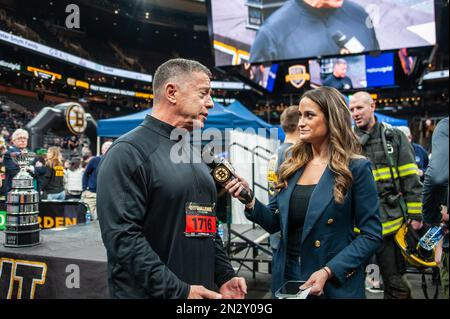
<point x="22" y="206"/>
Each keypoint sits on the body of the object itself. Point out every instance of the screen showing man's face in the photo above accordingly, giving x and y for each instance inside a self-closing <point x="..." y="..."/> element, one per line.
<point x="340" y="70"/>
<point x="334" y="4"/>
<point x="273" y="31"/>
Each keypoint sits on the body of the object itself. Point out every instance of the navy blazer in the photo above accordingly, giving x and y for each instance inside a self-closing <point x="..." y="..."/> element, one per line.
<point x="328" y="238"/>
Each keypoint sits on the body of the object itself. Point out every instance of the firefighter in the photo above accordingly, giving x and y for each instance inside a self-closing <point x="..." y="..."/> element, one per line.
<point x="399" y="188"/>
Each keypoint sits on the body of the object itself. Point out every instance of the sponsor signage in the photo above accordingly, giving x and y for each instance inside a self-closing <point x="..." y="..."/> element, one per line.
<point x="21" y="278"/>
<point x="229" y="85"/>
<point x="67" y="57"/>
<point x="78" y="83"/>
<point x="105" y="89"/>
<point x="9" y="65"/>
<point x="82" y="84"/>
<point x="55" y="214"/>
<point x="143" y="95"/>
<point x="44" y="74"/>
<point x="380" y="70"/>
<point x="2" y="219"/>
<point x="297" y="75"/>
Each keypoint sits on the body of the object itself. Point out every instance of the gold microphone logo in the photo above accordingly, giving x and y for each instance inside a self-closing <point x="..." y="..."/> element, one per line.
<point x="221" y="174"/>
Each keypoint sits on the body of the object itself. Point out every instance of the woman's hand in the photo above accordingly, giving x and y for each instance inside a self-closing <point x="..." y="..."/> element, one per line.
<point x="235" y="186"/>
<point x="317" y="281"/>
<point x="444" y="213"/>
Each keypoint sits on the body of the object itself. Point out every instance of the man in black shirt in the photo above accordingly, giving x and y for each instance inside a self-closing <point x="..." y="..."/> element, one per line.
<point x="19" y="145"/>
<point x="339" y="79"/>
<point x="156" y="207"/>
<point x="309" y="28"/>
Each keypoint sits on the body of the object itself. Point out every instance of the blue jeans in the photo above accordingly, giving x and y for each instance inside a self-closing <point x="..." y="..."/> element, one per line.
<point x="57" y="196"/>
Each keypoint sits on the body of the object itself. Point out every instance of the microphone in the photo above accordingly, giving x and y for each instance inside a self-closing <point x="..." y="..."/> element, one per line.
<point x="351" y="45"/>
<point x="222" y="173"/>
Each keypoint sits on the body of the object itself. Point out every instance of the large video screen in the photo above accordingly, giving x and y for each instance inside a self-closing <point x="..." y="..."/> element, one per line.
<point x="353" y="72"/>
<point x="259" y="31"/>
<point x="262" y="74"/>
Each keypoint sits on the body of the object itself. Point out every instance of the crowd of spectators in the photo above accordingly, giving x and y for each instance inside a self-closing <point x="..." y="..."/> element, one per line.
<point x="270" y="113"/>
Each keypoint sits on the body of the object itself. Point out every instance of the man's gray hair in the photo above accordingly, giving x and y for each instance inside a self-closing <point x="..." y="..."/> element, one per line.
<point x="19" y="133"/>
<point x="174" y="68"/>
<point x="340" y="61"/>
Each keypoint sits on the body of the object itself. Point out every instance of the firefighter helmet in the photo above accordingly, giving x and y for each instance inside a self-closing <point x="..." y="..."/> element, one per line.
<point x="408" y="241"/>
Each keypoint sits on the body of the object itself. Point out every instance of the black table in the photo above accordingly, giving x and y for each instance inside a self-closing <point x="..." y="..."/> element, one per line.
<point x="69" y="263"/>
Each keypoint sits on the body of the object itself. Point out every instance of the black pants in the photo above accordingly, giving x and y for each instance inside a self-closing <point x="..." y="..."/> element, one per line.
<point x="392" y="268"/>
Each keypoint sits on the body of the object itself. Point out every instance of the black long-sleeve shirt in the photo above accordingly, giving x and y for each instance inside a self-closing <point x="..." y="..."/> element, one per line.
<point x="141" y="197"/>
<point x="11" y="167"/>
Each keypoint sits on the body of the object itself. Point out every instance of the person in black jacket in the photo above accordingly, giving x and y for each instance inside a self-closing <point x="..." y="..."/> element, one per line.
<point x="156" y="211"/>
<point x="19" y="141"/>
<point x="339" y="79"/>
<point x="52" y="175"/>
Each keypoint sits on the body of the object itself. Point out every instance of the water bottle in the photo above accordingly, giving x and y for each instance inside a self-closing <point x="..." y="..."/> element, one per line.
<point x="432" y="237"/>
<point x="225" y="233"/>
<point x="220" y="229"/>
<point x="88" y="217"/>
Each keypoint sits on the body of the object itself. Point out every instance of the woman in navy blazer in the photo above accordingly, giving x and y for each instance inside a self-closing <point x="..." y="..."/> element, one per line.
<point x="326" y="189"/>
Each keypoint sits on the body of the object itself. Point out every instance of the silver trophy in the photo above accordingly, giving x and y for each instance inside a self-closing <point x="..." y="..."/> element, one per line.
<point x="22" y="207"/>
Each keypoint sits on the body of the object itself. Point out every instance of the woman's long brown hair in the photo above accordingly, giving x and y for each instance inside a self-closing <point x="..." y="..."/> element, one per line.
<point x="343" y="143"/>
<point x="54" y="158"/>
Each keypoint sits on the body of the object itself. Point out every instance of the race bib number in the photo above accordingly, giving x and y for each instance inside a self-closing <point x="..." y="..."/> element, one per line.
<point x="200" y="220"/>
